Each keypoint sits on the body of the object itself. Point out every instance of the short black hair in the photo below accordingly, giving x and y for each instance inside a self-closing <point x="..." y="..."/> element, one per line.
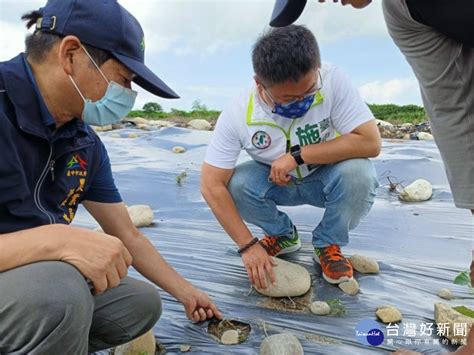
<point x="285" y="54"/>
<point x="39" y="43"/>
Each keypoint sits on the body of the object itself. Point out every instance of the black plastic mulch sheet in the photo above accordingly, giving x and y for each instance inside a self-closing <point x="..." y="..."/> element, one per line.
<point x="420" y="247"/>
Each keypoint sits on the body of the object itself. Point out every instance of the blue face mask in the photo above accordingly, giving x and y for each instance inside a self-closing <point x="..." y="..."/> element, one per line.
<point x="117" y="103"/>
<point x="294" y="109"/>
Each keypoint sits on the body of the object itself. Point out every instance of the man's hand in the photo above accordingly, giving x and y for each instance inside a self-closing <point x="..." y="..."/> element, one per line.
<point x="257" y="262"/>
<point x="199" y="306"/>
<point x="101" y="258"/>
<point x="281" y="168"/>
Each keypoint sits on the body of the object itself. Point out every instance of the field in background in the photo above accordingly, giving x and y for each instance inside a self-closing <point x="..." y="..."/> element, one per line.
<point x="394" y="114"/>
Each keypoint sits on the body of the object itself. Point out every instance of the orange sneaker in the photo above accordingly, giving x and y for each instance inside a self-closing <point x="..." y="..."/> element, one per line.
<point x="336" y="268"/>
<point x="281" y="245"/>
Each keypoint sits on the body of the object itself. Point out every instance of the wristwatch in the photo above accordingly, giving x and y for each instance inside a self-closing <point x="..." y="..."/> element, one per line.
<point x="295" y="152"/>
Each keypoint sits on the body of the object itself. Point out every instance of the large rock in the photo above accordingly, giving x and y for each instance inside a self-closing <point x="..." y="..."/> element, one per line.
<point x="424" y="136"/>
<point x="161" y="123"/>
<point x="201" y="125"/>
<point x="419" y="190"/>
<point x="291" y="280"/>
<point x="381" y="123"/>
<point x="281" y="344"/>
<point x="388" y="314"/>
<point x="445" y="314"/>
<point x="146" y="344"/>
<point x="364" y="264"/>
<point x="136" y="120"/>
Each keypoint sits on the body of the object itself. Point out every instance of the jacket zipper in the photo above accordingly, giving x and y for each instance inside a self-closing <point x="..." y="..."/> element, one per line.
<point x="37" y="190"/>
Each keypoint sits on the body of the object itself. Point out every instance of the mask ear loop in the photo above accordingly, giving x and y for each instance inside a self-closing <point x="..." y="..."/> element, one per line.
<point x="271" y="98"/>
<point x="95" y="64"/>
<point x="77" y="88"/>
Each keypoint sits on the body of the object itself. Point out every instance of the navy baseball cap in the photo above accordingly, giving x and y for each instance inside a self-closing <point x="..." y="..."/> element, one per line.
<point x="106" y="25"/>
<point x="286" y="12"/>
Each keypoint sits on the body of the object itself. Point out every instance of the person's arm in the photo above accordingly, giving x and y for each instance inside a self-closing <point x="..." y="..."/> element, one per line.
<point x="115" y="220"/>
<point x="101" y="258"/>
<point x="30" y="245"/>
<point x="214" y="190"/>
<point x="362" y="142"/>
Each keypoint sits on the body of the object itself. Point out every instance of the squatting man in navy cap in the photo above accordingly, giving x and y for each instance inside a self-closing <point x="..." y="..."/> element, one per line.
<point x="437" y="39"/>
<point x="64" y="289"/>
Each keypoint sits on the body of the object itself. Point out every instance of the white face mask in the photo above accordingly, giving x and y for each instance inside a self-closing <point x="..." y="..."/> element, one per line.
<point x="117" y="102"/>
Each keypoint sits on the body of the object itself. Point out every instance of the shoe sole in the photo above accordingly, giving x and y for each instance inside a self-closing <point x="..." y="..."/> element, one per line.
<point x="327" y="278"/>
<point x="290" y="249"/>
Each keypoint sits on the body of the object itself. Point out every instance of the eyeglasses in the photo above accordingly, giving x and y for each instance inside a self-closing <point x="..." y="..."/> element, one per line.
<point x="299" y="98"/>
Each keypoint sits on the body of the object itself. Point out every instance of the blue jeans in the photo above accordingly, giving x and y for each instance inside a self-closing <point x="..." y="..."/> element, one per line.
<point x="345" y="189"/>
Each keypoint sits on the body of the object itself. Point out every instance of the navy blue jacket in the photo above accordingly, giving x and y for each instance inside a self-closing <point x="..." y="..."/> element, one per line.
<point x="44" y="174"/>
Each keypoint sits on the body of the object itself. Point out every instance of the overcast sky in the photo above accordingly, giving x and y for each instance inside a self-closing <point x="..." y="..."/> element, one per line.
<point x="202" y="48"/>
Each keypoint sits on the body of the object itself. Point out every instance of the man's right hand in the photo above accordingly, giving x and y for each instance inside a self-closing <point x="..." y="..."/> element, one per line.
<point x="101" y="258"/>
<point x="258" y="263"/>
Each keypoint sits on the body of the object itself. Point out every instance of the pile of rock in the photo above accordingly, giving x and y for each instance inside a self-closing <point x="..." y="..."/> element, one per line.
<point x="405" y="131"/>
<point x="151" y="125"/>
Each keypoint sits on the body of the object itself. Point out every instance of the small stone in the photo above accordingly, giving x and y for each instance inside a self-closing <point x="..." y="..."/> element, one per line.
<point x="446" y="294"/>
<point x="230" y="337"/>
<point x="103" y="128"/>
<point x="178" y="149"/>
<point x="141" y="215"/>
<point x="201" y="125"/>
<point x="320" y="308"/>
<point x="350" y="287"/>
<point x="133" y="135"/>
<point x="388" y="314"/>
<point x="420" y="190"/>
<point x="281" y="344"/>
<point x="143" y="126"/>
<point x="291" y="280"/>
<point x="424" y="136"/>
<point x="145" y="344"/>
<point x="364" y="264"/>
<point x="184" y="348"/>
<point x="406" y="136"/>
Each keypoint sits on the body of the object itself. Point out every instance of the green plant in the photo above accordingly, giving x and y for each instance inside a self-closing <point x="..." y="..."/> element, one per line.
<point x="464" y="310"/>
<point x="337" y="307"/>
<point x="181" y="177"/>
<point x="463" y="278"/>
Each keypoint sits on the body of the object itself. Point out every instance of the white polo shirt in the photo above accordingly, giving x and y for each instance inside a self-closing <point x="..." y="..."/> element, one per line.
<point x="248" y="123"/>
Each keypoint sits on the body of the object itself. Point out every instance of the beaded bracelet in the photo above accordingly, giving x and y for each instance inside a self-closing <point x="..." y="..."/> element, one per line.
<point x="246" y="247"/>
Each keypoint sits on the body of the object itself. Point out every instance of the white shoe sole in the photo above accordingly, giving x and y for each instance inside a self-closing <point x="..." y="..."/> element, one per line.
<point x="328" y="279"/>
<point x="291" y="249"/>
